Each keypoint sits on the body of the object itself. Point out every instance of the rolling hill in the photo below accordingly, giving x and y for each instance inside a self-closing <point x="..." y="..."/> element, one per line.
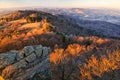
<point x="69" y="49"/>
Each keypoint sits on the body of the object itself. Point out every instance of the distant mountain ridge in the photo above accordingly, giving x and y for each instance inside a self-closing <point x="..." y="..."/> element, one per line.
<point x="70" y="25"/>
<point x="104" y="21"/>
<point x="63" y="23"/>
<point x="108" y="15"/>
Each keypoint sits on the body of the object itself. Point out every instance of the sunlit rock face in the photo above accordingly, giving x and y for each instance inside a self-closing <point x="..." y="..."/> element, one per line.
<point x="24" y="64"/>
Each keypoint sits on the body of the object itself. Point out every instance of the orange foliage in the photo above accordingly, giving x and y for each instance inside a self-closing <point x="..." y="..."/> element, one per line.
<point x="74" y="49"/>
<point x="65" y="62"/>
<point x="102" y="41"/>
<point x="57" y="56"/>
<point x="17" y="37"/>
<point x="1" y="78"/>
<point x="96" y="67"/>
<point x="7" y="72"/>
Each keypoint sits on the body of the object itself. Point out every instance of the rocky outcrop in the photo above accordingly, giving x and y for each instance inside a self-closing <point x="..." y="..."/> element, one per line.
<point x="24" y="64"/>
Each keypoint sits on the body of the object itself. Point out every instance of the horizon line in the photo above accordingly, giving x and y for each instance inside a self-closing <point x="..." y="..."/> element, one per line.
<point x="56" y="7"/>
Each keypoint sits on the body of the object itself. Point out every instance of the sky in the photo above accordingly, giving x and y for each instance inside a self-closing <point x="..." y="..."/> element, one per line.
<point x="61" y="3"/>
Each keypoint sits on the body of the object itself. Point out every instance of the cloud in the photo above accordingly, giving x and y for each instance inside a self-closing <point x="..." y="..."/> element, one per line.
<point x="61" y="3"/>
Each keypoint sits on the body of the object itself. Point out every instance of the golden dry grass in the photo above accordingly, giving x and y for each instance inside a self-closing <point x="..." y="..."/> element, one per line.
<point x="18" y="21"/>
<point x="97" y="67"/>
<point x="91" y="63"/>
<point x="31" y="25"/>
<point x="1" y="78"/>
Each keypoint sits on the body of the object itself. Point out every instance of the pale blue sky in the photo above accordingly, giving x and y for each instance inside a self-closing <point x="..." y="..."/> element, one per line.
<point x="61" y="3"/>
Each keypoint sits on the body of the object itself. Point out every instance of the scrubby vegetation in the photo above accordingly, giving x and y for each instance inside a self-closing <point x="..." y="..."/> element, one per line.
<point x="101" y="68"/>
<point x="79" y="63"/>
<point x="33" y="18"/>
<point x="18" y="38"/>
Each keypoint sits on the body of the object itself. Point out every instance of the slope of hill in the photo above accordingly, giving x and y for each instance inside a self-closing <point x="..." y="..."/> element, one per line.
<point x="21" y="14"/>
<point x="106" y="28"/>
<point x="18" y="27"/>
<point x="73" y="26"/>
<point x="98" y="20"/>
<point x="76" y="49"/>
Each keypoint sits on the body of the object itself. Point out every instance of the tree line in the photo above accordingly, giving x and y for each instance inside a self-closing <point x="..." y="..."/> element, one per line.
<point x="33" y="19"/>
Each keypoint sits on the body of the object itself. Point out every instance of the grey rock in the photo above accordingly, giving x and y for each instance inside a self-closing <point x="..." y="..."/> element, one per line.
<point x="31" y="57"/>
<point x="21" y="64"/>
<point x="28" y="50"/>
<point x="44" y="65"/>
<point x="3" y="55"/>
<point x="39" y="47"/>
<point x="38" y="52"/>
<point x="20" y="60"/>
<point x="7" y="59"/>
<point x="19" y="56"/>
<point x="3" y="61"/>
<point x="45" y="51"/>
<point x="49" y="50"/>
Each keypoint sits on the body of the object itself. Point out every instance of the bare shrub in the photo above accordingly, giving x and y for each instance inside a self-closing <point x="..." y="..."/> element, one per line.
<point x="96" y="67"/>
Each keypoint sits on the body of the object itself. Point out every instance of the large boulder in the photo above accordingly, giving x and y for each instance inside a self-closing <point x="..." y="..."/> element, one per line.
<point x="31" y="57"/>
<point x="21" y="64"/>
<point x="38" y="51"/>
<point x="7" y="58"/>
<point x="19" y="56"/>
<point x="24" y="64"/>
<point x="28" y="50"/>
<point x="45" y="51"/>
